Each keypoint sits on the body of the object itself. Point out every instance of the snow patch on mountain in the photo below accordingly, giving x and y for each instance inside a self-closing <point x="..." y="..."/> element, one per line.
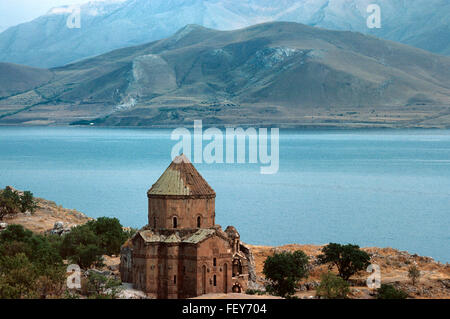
<point x="272" y="56"/>
<point x="92" y="8"/>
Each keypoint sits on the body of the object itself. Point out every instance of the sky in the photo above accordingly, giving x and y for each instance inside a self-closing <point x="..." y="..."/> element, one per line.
<point x="13" y="12"/>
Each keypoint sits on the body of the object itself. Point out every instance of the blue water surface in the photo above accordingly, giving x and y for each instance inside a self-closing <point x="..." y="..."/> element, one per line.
<point x="372" y="188"/>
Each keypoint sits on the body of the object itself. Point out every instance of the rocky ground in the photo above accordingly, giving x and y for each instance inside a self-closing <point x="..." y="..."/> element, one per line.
<point x="434" y="281"/>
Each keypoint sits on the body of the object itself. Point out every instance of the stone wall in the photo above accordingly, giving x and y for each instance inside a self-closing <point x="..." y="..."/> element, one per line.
<point x="162" y="210"/>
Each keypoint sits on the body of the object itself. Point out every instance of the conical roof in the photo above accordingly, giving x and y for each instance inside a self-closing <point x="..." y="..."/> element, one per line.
<point x="181" y="179"/>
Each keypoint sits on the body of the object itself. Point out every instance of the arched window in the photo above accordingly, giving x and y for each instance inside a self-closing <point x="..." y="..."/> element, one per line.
<point x="175" y="280"/>
<point x="154" y="222"/>
<point x="199" y="222"/>
<point x="214" y="262"/>
<point x="175" y="222"/>
<point x="215" y="280"/>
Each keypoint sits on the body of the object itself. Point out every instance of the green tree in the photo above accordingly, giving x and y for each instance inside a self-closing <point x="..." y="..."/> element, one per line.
<point x="12" y="203"/>
<point x="86" y="244"/>
<point x="44" y="253"/>
<point x="82" y="247"/>
<point x="390" y="292"/>
<point x="27" y="202"/>
<point x="332" y="287"/>
<point x="9" y="202"/>
<point x="87" y="255"/>
<point x="11" y="194"/>
<point x="413" y="274"/>
<point x="348" y="259"/>
<point x="284" y="270"/>
<point x="110" y="233"/>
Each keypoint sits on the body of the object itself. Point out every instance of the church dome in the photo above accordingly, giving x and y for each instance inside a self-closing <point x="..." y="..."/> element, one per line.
<point x="181" y="178"/>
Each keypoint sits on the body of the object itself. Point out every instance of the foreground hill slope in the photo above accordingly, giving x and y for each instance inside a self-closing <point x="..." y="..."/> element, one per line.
<point x="112" y="24"/>
<point x="434" y="282"/>
<point x="273" y="73"/>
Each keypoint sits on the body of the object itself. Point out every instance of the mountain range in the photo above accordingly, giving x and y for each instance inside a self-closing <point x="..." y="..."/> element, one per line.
<point x="112" y="24"/>
<point x="272" y="73"/>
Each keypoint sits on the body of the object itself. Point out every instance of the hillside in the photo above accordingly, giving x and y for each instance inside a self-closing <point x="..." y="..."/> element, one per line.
<point x="275" y="73"/>
<point x="15" y="79"/>
<point x="434" y="281"/>
<point x="113" y="24"/>
<point x="46" y="215"/>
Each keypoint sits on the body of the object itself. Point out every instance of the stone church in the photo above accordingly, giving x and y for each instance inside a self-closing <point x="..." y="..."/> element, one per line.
<point x="182" y="253"/>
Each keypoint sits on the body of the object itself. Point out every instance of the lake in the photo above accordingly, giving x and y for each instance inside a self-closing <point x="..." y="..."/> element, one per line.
<point x="381" y="188"/>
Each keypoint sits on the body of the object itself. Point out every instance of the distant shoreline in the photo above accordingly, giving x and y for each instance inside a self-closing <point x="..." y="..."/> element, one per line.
<point x="222" y="126"/>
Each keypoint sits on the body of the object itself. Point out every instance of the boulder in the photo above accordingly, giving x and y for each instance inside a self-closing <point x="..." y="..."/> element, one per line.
<point x="58" y="225"/>
<point x="106" y="273"/>
<point x="59" y="229"/>
<point x="127" y="292"/>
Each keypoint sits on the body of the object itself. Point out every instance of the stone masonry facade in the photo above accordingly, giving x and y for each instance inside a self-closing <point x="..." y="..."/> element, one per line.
<point x="182" y="253"/>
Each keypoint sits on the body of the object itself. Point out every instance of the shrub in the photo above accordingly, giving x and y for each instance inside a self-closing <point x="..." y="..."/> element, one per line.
<point x="16" y="239"/>
<point x="390" y="292"/>
<point x="251" y="292"/>
<point x="30" y="265"/>
<point x="99" y="286"/>
<point x="16" y="233"/>
<point x="51" y="281"/>
<point x="348" y="259"/>
<point x="332" y="287"/>
<point x="255" y="292"/>
<point x="284" y="270"/>
<point x="17" y="277"/>
<point x="413" y="274"/>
